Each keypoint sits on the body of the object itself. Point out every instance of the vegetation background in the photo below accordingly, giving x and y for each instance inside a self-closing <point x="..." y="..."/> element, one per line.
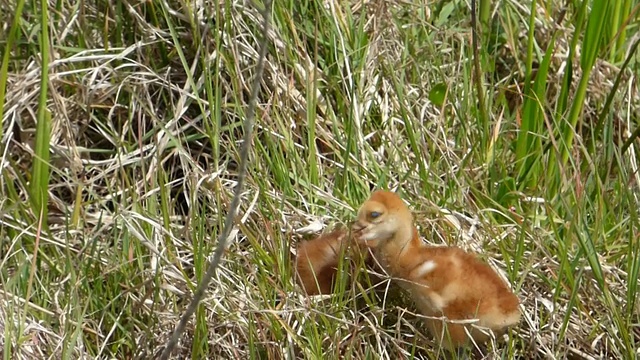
<point x="121" y="126"/>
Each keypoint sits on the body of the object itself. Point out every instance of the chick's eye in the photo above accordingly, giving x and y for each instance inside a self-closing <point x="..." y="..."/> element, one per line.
<point x="374" y="214"/>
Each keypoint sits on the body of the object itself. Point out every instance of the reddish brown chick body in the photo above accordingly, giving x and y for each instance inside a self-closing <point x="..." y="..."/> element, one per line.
<point x="317" y="262"/>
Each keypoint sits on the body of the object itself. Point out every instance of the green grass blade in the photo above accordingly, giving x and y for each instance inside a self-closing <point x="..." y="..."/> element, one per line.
<point x="39" y="189"/>
<point x="590" y="47"/>
<point x="529" y="142"/>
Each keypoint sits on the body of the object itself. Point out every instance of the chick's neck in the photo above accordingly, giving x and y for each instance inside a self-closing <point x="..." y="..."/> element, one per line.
<point x="404" y="241"/>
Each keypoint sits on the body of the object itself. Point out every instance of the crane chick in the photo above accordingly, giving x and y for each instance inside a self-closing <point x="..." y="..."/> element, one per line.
<point x="444" y="282"/>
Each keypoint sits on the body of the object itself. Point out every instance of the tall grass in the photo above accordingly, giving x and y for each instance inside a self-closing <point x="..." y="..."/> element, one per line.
<point x="122" y="129"/>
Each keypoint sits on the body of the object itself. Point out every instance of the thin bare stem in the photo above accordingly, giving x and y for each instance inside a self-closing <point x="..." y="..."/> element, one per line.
<point x="228" y="223"/>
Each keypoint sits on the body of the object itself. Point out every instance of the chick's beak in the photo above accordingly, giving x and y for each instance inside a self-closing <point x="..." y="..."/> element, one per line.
<point x="357" y="226"/>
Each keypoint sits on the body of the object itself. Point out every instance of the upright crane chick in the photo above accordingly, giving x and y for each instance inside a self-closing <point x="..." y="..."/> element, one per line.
<point x="443" y="281"/>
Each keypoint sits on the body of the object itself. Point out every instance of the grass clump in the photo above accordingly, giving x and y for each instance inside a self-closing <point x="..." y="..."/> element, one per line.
<point x="121" y="133"/>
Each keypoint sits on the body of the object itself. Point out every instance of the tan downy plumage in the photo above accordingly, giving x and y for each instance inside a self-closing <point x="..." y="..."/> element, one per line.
<point x="442" y="281"/>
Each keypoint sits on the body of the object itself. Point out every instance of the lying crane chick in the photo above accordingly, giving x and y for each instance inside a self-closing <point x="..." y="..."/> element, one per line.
<point x="443" y="281"/>
<point x="317" y="261"/>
